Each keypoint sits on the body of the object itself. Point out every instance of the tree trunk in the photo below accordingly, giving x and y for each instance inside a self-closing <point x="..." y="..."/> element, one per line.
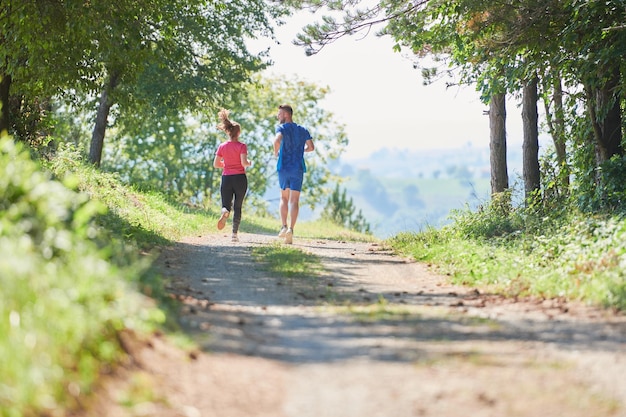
<point x="5" y="118"/>
<point x="559" y="135"/>
<point x="555" y="119"/>
<point x="611" y="126"/>
<point x="607" y="129"/>
<point x="530" y="147"/>
<point x="497" y="144"/>
<point x="102" y="116"/>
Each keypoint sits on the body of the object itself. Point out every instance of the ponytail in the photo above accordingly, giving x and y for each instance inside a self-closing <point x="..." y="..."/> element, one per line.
<point x="227" y="125"/>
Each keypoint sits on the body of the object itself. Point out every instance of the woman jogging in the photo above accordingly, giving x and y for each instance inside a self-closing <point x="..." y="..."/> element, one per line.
<point x="232" y="157"/>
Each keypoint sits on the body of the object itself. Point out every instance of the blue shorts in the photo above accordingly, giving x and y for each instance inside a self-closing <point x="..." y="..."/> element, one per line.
<point x="291" y="180"/>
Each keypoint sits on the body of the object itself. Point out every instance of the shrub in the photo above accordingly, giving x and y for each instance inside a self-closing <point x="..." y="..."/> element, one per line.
<point x="63" y="300"/>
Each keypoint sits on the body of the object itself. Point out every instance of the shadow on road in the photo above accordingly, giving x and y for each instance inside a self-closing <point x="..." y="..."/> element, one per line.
<point x="231" y="305"/>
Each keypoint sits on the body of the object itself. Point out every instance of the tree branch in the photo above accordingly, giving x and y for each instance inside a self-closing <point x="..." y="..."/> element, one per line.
<point x="317" y="36"/>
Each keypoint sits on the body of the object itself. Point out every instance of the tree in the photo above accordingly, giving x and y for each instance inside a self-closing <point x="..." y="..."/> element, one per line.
<point x="340" y="210"/>
<point x="193" y="53"/>
<point x="450" y="31"/>
<point x="34" y="56"/>
<point x="493" y="43"/>
<point x="555" y="120"/>
<point x="530" y="146"/>
<point x="139" y="58"/>
<point x="176" y="158"/>
<point x="497" y="144"/>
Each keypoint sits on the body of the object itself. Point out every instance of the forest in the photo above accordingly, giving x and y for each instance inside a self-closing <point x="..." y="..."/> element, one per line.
<point x="136" y="86"/>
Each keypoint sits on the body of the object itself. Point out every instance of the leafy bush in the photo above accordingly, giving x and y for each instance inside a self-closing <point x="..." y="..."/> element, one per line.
<point x="497" y="218"/>
<point x="602" y="190"/>
<point x="611" y="195"/>
<point x="576" y="256"/>
<point x="65" y="294"/>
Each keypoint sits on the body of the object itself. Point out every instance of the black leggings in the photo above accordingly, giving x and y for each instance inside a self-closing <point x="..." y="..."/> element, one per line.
<point x="234" y="186"/>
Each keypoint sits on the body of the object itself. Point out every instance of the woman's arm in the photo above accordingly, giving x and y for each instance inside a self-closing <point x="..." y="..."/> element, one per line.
<point x="245" y="162"/>
<point x="218" y="162"/>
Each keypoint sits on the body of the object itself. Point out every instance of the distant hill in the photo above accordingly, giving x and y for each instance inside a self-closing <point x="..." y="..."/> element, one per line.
<point x="402" y="190"/>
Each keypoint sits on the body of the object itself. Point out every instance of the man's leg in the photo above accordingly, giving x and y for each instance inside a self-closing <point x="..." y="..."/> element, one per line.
<point x="294" y="207"/>
<point x="283" y="208"/>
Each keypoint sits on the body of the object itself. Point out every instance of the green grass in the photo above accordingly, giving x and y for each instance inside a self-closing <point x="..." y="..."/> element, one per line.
<point x="301" y="270"/>
<point x="68" y="289"/>
<point x="289" y="262"/>
<point x="580" y="258"/>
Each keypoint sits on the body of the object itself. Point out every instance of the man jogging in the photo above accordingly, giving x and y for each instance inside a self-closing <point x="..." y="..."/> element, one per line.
<point x="290" y="144"/>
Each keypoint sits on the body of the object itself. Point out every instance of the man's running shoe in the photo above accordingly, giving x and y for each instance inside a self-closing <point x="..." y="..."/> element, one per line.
<point x="289" y="236"/>
<point x="283" y="232"/>
<point x="235" y="238"/>
<point x="222" y="221"/>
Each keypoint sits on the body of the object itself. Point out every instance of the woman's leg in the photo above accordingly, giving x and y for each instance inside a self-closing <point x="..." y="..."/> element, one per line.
<point x="240" y="186"/>
<point x="227" y="191"/>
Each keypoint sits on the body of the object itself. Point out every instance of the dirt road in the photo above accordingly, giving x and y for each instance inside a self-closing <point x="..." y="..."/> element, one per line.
<point x="376" y="335"/>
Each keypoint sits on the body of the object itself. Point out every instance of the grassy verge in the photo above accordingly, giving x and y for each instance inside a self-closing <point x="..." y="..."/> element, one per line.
<point x="68" y="289"/>
<point x="575" y="256"/>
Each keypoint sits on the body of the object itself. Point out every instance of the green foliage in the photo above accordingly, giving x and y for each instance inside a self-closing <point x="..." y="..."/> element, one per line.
<point x="612" y="189"/>
<point x="341" y="211"/>
<point x="553" y="254"/>
<point x="606" y="190"/>
<point x="493" y="219"/>
<point x="67" y="290"/>
<point x="156" y="60"/>
<point x="177" y="160"/>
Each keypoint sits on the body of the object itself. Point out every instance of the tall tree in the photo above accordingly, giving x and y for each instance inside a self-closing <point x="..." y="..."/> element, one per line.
<point x="555" y="120"/>
<point x="192" y="53"/>
<point x="530" y="146"/>
<point x="497" y="144"/>
<point x="133" y="56"/>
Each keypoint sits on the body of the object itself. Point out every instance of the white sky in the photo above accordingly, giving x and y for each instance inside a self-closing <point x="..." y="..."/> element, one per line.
<point x="380" y="98"/>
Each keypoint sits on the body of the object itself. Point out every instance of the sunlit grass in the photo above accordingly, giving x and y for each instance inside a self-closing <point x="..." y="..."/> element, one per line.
<point x="316" y="229"/>
<point x="583" y="261"/>
<point x="288" y="261"/>
<point x="68" y="289"/>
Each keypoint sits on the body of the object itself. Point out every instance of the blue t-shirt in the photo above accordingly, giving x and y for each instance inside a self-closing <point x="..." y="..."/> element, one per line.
<point x="291" y="154"/>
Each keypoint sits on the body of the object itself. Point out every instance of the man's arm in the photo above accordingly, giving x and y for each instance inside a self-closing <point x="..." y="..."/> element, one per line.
<point x="309" y="146"/>
<point x="277" y="141"/>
